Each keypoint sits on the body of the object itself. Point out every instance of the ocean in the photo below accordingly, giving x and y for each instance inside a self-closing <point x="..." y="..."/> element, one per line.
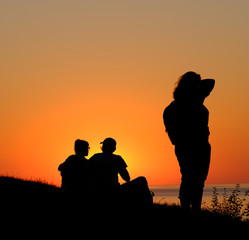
<point x="169" y="193"/>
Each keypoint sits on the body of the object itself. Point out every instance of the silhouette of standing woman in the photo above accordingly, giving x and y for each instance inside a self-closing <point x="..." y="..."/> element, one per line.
<point x="186" y="122"/>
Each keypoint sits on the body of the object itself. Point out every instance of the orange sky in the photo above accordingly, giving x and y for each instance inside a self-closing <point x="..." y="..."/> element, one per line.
<point x="97" y="69"/>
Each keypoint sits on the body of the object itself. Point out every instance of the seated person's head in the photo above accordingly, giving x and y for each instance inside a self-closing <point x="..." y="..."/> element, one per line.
<point x="109" y="145"/>
<point x="81" y="147"/>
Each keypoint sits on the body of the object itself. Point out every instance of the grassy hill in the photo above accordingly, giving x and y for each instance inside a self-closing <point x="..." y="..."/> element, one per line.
<point x="33" y="203"/>
<point x="16" y="186"/>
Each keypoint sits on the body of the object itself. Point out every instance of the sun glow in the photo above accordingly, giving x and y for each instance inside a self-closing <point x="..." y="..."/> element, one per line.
<point x="92" y="70"/>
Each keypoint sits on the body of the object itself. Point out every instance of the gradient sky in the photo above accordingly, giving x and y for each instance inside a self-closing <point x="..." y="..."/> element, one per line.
<point x="107" y="68"/>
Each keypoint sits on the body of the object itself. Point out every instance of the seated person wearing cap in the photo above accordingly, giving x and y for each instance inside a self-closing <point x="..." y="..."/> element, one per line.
<point x="105" y="168"/>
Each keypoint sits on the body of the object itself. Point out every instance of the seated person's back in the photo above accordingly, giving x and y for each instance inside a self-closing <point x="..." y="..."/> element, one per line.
<point x="106" y="166"/>
<point x="75" y="170"/>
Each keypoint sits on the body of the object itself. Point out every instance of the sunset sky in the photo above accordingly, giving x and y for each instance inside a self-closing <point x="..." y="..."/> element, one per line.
<point x="92" y="69"/>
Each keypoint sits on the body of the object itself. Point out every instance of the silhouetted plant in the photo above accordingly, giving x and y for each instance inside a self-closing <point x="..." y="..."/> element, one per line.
<point x="215" y="201"/>
<point x="233" y="205"/>
<point x="246" y="210"/>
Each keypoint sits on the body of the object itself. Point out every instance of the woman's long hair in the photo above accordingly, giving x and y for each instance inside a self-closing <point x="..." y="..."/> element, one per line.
<point x="187" y="86"/>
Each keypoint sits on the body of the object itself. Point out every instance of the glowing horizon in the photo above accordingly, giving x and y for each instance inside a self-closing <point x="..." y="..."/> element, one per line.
<point x="90" y="70"/>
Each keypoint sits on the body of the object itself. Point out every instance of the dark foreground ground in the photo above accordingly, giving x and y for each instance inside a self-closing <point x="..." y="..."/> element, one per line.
<point x="41" y="210"/>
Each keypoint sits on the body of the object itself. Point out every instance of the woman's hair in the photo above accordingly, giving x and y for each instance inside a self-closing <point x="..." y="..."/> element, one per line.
<point x="186" y="86"/>
<point x="80" y="146"/>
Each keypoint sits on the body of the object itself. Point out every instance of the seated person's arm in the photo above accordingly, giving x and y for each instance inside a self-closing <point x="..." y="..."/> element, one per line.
<point x="124" y="174"/>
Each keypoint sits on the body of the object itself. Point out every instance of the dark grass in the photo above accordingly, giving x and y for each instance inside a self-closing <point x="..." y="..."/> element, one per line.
<point x="33" y="204"/>
<point x="13" y="185"/>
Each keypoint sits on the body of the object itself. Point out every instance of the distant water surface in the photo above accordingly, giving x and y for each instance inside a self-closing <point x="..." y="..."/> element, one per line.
<point x="170" y="193"/>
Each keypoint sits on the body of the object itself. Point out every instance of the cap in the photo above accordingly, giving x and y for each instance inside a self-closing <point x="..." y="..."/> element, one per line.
<point x="109" y="141"/>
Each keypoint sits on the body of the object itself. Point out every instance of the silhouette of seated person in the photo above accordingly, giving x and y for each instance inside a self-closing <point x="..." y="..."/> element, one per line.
<point x="105" y="168"/>
<point x="75" y="170"/>
<point x="186" y="121"/>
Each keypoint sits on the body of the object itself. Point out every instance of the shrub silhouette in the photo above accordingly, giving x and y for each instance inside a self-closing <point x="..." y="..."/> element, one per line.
<point x="233" y="206"/>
